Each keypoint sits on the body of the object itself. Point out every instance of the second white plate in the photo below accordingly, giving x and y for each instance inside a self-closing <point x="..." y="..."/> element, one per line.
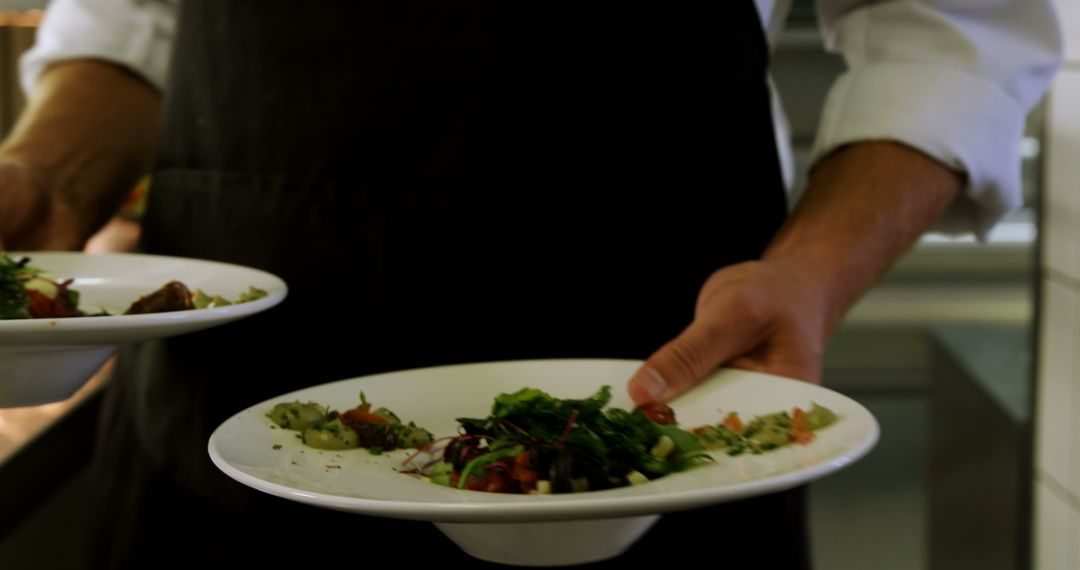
<point x="46" y="360"/>
<point x="114" y="281"/>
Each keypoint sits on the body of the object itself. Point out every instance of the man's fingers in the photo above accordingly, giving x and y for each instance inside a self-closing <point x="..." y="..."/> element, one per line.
<point x="682" y="363"/>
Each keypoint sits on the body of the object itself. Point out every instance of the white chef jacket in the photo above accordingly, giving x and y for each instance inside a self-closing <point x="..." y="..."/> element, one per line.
<point x="952" y="78"/>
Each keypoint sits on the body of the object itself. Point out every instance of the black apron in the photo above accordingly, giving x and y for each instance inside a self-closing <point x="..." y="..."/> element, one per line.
<point x="437" y="181"/>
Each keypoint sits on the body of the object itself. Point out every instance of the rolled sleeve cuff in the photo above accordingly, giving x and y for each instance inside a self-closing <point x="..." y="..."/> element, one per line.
<point x="961" y="120"/>
<point x="136" y="39"/>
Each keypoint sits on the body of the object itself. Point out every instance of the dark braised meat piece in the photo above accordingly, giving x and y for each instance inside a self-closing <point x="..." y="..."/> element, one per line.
<point x="173" y="296"/>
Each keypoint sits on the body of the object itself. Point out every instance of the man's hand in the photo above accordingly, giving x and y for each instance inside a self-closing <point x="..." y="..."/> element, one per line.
<point x="86" y="137"/>
<point x="865" y="206"/>
<point x="32" y="217"/>
<point x="755" y="316"/>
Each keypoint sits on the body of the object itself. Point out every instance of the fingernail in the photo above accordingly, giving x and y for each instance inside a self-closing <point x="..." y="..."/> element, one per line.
<point x="652" y="382"/>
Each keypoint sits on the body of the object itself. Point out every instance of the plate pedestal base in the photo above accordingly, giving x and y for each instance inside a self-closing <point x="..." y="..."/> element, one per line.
<point x="35" y="375"/>
<point x="548" y="543"/>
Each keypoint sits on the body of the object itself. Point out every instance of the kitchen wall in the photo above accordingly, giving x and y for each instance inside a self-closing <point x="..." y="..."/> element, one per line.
<point x="1057" y="449"/>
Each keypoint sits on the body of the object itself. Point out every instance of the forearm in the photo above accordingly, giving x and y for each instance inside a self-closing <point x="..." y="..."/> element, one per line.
<point x="865" y="205"/>
<point x="87" y="134"/>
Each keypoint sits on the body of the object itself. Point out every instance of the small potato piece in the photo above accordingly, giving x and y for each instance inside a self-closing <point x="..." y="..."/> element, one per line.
<point x="297" y="416"/>
<point x="663" y="447"/>
<point x="411" y="436"/>
<point x="252" y="294"/>
<point x="331" y="435"/>
<point x="819" y="417"/>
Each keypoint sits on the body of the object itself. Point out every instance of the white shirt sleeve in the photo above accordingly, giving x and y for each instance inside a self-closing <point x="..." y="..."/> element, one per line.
<point x="137" y="34"/>
<point x="952" y="78"/>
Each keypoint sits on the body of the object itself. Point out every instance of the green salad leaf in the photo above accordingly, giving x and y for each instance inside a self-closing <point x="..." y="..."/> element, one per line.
<point x="574" y="439"/>
<point x="14" y="302"/>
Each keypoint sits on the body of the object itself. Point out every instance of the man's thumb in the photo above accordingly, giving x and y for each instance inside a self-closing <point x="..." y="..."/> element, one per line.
<point x="680" y="364"/>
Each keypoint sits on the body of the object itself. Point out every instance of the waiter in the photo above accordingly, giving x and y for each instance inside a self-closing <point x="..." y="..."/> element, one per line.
<point x="445" y="182"/>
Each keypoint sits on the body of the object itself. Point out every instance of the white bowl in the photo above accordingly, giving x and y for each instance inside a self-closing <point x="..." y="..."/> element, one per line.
<point x="39" y="374"/>
<point x="560" y="543"/>
<point x="532" y="530"/>
<point x="45" y="360"/>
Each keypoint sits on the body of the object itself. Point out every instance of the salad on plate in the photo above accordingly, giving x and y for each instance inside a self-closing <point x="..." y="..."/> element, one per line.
<point x="534" y="443"/>
<point x="28" y="292"/>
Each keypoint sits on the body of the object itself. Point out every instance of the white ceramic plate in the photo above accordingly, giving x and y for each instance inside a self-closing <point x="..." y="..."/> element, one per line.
<point x="43" y="360"/>
<point x="248" y="449"/>
<point x="114" y="281"/>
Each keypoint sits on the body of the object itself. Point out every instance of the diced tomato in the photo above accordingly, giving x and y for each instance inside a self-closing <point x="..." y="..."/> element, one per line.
<point x="478" y="482"/>
<point x="733" y="423"/>
<point x="522" y="470"/>
<point x="490" y="481"/>
<point x="475" y="483"/>
<point x="360" y="415"/>
<point x="658" y="412"/>
<point x="44" y="307"/>
<point x="800" y="431"/>
<point x="499" y="482"/>
<point x="372" y="430"/>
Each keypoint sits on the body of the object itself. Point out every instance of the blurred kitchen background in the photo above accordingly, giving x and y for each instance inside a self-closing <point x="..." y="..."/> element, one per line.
<point x="965" y="352"/>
